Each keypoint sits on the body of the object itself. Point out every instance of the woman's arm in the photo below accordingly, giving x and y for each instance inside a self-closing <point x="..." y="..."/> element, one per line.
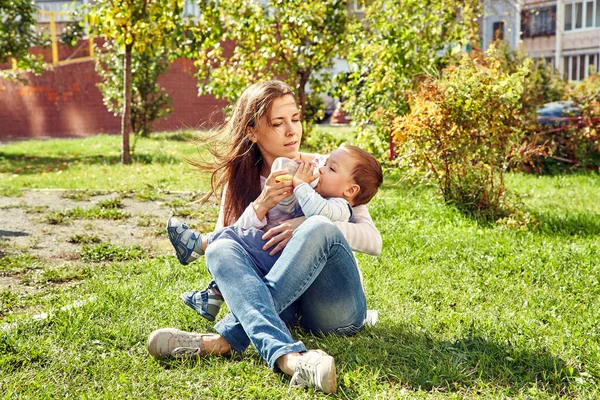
<point x="362" y="235"/>
<point x="248" y="219"/>
<point x="255" y="215"/>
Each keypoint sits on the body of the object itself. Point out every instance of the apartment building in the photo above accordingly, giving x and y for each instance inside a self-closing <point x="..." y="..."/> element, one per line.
<point x="566" y="33"/>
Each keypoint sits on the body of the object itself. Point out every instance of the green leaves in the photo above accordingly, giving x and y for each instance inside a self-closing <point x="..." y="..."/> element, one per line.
<point x="18" y="34"/>
<point x="149" y="100"/>
<point x="463" y="129"/>
<point x="289" y="40"/>
<point x="143" y="24"/>
<point x="390" y="50"/>
<point x="156" y="33"/>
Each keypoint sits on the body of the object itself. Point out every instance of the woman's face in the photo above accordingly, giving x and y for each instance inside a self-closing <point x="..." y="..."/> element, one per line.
<point x="278" y="134"/>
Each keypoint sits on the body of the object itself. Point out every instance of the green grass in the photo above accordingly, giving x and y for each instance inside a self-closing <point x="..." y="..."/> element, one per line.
<point x="17" y="263"/>
<point x="81" y="195"/>
<point x="106" y="209"/>
<point x="61" y="274"/>
<point x="93" y="164"/>
<point x="466" y="310"/>
<point x="84" y="238"/>
<point x="111" y="252"/>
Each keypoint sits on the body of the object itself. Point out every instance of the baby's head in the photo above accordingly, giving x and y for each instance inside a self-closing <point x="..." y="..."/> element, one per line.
<point x="351" y="173"/>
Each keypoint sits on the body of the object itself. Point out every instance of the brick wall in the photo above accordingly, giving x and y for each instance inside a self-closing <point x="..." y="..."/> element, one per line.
<point x="65" y="102"/>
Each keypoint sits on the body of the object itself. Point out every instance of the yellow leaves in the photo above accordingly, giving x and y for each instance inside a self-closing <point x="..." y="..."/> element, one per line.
<point x="398" y="132"/>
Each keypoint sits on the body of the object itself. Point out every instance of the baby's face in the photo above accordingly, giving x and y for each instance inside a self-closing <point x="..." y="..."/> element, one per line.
<point x="336" y="175"/>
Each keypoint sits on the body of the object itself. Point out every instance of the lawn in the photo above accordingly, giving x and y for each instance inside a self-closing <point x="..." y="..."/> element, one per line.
<point x="465" y="309"/>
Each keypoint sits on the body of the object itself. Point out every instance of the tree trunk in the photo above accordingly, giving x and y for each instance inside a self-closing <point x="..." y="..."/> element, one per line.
<point x="126" y="114"/>
<point x="302" y="96"/>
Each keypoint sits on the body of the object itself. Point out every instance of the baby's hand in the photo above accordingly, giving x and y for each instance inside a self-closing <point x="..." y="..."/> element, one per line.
<point x="304" y="174"/>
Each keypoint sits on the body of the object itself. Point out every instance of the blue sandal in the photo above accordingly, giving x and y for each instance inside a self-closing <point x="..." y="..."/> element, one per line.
<point x="207" y="302"/>
<point x="187" y="243"/>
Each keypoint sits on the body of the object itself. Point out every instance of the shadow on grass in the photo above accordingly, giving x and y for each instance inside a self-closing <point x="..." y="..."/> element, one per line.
<point x="32" y="164"/>
<point x="12" y="233"/>
<point x="571" y="224"/>
<point x="418" y="362"/>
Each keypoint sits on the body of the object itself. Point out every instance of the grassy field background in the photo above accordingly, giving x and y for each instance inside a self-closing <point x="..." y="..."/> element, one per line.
<point x="466" y="309"/>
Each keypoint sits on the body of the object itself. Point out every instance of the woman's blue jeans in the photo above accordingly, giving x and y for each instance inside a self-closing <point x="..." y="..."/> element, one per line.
<point x="314" y="283"/>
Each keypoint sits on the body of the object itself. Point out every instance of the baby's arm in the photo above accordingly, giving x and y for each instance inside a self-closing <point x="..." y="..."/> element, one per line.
<point x="312" y="203"/>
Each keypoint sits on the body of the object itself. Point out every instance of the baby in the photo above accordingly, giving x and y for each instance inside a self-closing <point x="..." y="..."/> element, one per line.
<point x="350" y="177"/>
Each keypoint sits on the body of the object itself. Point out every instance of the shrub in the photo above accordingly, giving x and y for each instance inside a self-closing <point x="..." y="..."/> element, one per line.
<point x="543" y="84"/>
<point x="464" y="129"/>
<point x="579" y="145"/>
<point x="389" y="49"/>
<point x="323" y="142"/>
<point x="585" y="140"/>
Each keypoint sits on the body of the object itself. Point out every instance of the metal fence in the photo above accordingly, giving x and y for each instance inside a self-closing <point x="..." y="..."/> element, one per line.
<point x="45" y="15"/>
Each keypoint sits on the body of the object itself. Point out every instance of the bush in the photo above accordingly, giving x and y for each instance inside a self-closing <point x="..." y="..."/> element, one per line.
<point x="579" y="145"/>
<point x="585" y="140"/>
<point x="543" y="83"/>
<point x="464" y="130"/>
<point x="322" y="142"/>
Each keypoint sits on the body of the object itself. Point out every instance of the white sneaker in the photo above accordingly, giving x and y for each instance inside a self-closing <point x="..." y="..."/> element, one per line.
<point x="171" y="342"/>
<point x="315" y="369"/>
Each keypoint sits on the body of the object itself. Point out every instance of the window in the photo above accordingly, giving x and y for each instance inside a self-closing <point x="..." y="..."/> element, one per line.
<point x="538" y="21"/>
<point x="498" y="29"/>
<point x="578" y="15"/>
<point x="578" y="67"/>
<point x="589" y="14"/>
<point x="582" y="14"/>
<point x="592" y="63"/>
<point x="568" y="17"/>
<point x="359" y="5"/>
<point x="190" y="9"/>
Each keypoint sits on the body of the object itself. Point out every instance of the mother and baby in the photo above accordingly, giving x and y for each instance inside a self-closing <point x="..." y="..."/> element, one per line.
<point x="282" y="253"/>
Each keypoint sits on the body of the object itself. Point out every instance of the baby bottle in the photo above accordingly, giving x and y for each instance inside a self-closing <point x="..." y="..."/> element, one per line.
<point x="287" y="204"/>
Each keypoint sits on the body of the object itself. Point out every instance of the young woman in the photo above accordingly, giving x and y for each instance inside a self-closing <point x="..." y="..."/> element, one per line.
<point x="315" y="282"/>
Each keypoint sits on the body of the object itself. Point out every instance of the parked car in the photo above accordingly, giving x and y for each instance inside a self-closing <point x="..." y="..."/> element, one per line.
<point x="558" y="114"/>
<point x="339" y="117"/>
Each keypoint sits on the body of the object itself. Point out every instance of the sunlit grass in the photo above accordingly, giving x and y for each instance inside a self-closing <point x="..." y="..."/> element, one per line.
<point x="466" y="310"/>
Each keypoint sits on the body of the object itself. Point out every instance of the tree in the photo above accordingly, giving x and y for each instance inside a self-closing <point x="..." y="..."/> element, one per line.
<point x="18" y="34"/>
<point x="294" y="40"/>
<point x="393" y="47"/>
<point x="139" y="26"/>
<point x="149" y="101"/>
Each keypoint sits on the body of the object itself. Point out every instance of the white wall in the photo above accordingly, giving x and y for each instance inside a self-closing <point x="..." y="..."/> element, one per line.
<point x="508" y="11"/>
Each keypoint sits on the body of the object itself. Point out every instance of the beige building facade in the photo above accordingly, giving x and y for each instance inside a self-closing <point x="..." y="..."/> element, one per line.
<point x="566" y="33"/>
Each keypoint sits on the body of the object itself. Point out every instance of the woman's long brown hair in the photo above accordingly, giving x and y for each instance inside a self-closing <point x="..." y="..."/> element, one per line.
<point x="239" y="160"/>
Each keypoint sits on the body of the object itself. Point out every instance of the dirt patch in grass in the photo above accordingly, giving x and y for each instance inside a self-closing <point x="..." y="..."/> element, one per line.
<point x="23" y="232"/>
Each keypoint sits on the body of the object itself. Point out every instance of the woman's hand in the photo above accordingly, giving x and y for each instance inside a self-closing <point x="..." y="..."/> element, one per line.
<point x="272" y="193"/>
<point x="281" y="234"/>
